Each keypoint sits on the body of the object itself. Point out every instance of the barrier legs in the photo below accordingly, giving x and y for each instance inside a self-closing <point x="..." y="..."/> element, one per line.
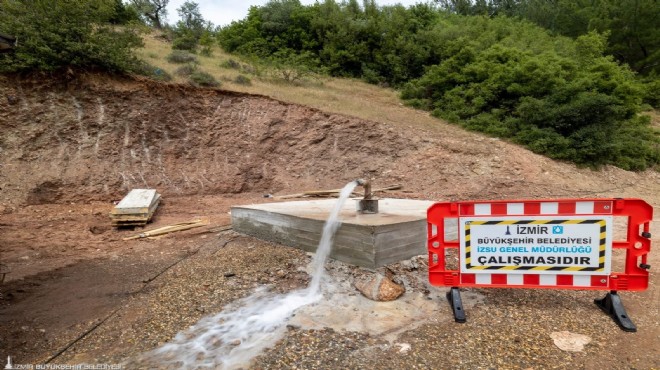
<point x="611" y="304"/>
<point x="454" y="298"/>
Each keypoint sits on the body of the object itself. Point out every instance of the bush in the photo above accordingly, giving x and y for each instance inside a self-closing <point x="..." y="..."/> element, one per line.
<point x="652" y="92"/>
<point x="243" y="80"/>
<point x="186" y="70"/>
<point x="180" y="56"/>
<point x="200" y="78"/>
<point x="148" y="70"/>
<point x="185" y="41"/>
<point x="230" y="64"/>
<point x="569" y="103"/>
<point x="67" y="34"/>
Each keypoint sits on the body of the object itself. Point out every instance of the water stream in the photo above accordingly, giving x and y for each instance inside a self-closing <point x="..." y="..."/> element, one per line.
<point x="233" y="337"/>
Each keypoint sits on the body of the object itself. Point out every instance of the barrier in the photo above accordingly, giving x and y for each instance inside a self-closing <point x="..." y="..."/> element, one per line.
<point x="541" y="244"/>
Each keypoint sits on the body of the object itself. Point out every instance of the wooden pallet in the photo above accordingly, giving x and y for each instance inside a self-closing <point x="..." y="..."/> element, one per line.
<point x="136" y="209"/>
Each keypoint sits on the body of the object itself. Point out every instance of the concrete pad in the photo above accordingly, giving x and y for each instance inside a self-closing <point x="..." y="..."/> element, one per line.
<point x="396" y="233"/>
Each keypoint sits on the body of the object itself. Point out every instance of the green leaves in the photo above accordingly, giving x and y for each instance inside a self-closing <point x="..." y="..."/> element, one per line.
<point x="561" y="98"/>
<point x="66" y="33"/>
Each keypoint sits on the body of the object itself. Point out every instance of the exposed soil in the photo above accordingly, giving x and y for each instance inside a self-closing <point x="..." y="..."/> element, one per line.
<point x="69" y="148"/>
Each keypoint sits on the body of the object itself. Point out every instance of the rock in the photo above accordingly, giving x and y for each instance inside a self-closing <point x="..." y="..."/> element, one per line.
<point x="96" y="229"/>
<point x="403" y="347"/>
<point x="571" y="342"/>
<point x="409" y="265"/>
<point x="379" y="288"/>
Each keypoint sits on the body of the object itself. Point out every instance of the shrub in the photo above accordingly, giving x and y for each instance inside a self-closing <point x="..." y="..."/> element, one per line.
<point x="230" y="64"/>
<point x="572" y="104"/>
<point x="200" y="78"/>
<point x="148" y="70"/>
<point x="243" y="80"/>
<point x="67" y="34"/>
<point x="185" y="41"/>
<point x="180" y="56"/>
<point x="652" y="92"/>
<point x="186" y="69"/>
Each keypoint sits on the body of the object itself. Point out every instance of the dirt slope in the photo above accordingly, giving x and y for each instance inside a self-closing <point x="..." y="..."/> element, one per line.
<point x="95" y="138"/>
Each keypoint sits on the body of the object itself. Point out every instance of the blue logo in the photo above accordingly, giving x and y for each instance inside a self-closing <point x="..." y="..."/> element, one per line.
<point x="557" y="229"/>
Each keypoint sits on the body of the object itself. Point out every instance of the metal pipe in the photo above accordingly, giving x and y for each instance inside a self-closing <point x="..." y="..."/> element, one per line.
<point x="367" y="187"/>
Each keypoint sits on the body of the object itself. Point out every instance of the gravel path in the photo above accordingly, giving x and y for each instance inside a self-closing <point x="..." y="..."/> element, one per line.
<point x="506" y="328"/>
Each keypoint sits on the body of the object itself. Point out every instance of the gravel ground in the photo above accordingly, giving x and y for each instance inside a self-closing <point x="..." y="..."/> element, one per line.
<point x="506" y="328"/>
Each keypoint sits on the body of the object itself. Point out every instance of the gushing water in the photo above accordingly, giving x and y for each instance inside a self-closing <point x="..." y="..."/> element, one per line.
<point x="233" y="337"/>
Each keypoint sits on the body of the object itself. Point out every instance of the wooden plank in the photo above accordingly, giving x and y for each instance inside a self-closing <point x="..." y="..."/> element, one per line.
<point x="332" y="192"/>
<point x="170" y="229"/>
<point x="136" y="209"/>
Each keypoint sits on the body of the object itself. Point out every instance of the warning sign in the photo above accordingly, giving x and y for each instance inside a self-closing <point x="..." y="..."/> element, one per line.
<point x="545" y="245"/>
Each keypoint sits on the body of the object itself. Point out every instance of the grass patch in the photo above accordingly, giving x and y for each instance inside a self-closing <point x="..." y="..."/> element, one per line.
<point x="336" y="95"/>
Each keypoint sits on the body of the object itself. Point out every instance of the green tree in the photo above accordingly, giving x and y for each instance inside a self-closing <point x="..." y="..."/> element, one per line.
<point x="191" y="17"/>
<point x="206" y="41"/>
<point x="633" y="26"/>
<point x="190" y="28"/>
<point x="153" y="12"/>
<point x="55" y="34"/>
<point x="564" y="99"/>
<point x="477" y="63"/>
<point x="124" y="14"/>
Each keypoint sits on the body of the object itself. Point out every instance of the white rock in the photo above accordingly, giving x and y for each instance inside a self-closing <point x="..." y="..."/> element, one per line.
<point x="571" y="342"/>
<point x="404" y="347"/>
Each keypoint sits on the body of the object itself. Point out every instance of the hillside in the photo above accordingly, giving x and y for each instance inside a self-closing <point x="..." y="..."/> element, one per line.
<point x="104" y="137"/>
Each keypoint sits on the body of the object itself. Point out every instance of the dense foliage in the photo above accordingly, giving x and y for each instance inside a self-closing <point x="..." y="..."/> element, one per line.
<point x="560" y="96"/>
<point x="55" y="34"/>
<point x="633" y="26"/>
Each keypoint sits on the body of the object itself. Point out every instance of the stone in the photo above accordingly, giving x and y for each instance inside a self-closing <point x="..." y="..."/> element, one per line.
<point x="409" y="265"/>
<point x="379" y="288"/>
<point x="571" y="342"/>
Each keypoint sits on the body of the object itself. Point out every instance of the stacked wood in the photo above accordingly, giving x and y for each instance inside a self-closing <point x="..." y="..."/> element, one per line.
<point x="170" y="229"/>
<point x="136" y="209"/>
<point x="331" y="193"/>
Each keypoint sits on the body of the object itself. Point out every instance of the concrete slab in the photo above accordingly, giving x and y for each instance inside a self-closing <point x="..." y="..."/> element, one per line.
<point x="137" y="201"/>
<point x="396" y="233"/>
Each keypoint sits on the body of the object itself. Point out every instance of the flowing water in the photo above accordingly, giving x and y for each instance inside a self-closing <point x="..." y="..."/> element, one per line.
<point x="242" y="331"/>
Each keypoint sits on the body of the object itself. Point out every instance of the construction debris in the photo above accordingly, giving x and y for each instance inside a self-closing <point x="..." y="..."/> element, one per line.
<point x="169" y="229"/>
<point x="136" y="209"/>
<point x="331" y="193"/>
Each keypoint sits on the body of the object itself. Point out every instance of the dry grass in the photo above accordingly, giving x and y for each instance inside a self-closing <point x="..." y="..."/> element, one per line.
<point x="337" y="95"/>
<point x="655" y="118"/>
